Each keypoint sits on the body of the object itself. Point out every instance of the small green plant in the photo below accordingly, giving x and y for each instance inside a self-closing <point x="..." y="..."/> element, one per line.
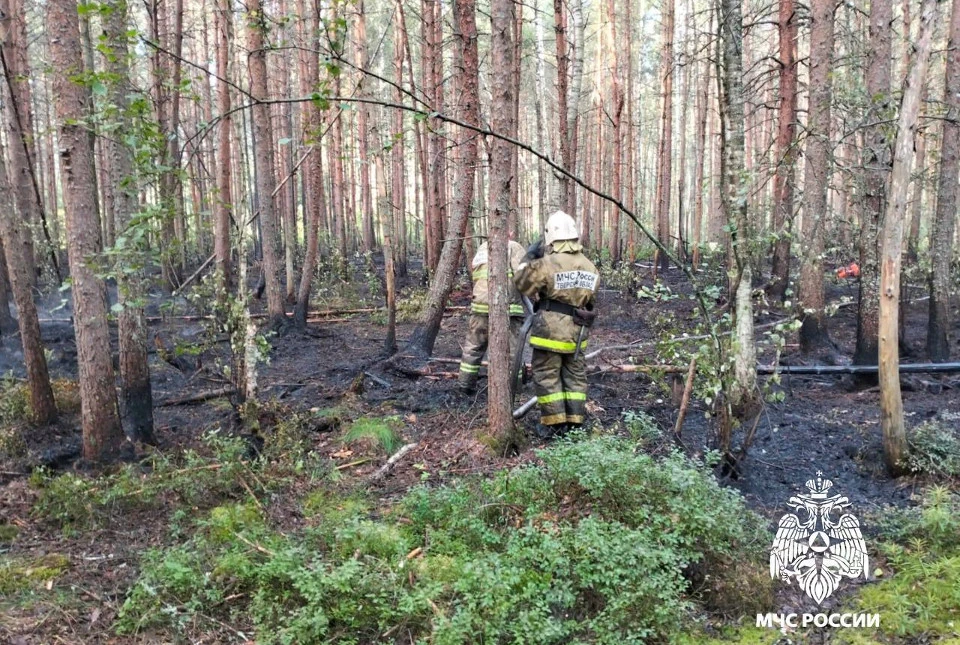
<point x="659" y="292"/>
<point x="934" y="447"/>
<point x="380" y="431"/>
<point x="641" y="427"/>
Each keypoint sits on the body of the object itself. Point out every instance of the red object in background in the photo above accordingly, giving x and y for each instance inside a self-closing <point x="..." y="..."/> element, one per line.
<point x="852" y="270"/>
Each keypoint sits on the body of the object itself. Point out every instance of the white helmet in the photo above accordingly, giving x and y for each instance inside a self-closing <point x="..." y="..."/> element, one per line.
<point x="561" y="226"/>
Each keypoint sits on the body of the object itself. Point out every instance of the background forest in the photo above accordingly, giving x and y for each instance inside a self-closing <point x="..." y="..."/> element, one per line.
<point x="233" y="249"/>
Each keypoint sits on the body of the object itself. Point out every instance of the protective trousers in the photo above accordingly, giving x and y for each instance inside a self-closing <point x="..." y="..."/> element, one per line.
<point x="560" y="383"/>
<point x="475" y="346"/>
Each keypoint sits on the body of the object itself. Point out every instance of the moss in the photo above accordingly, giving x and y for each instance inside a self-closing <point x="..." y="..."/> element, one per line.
<point x="8" y="533"/>
<point x="18" y="575"/>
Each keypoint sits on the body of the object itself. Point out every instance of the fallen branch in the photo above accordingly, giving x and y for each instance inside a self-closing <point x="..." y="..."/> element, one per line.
<point x="199" y="397"/>
<point x="186" y="283"/>
<point x="643" y="369"/>
<point x="397" y="456"/>
<point x="685" y="401"/>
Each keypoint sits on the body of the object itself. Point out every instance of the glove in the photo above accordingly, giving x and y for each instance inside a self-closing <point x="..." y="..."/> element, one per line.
<point x="535" y="250"/>
<point x="585" y="316"/>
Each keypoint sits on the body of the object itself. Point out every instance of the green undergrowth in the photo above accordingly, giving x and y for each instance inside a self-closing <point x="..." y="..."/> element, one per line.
<point x="19" y="575"/>
<point x="920" y="601"/>
<point x="219" y="469"/>
<point x="596" y="543"/>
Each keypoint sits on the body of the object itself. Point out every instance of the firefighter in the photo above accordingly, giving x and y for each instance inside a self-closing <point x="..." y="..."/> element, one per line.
<point x="565" y="283"/>
<point x="475" y="345"/>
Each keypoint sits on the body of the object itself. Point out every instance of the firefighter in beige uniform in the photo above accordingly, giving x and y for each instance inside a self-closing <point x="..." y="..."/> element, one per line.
<point x="565" y="282"/>
<point x="475" y="344"/>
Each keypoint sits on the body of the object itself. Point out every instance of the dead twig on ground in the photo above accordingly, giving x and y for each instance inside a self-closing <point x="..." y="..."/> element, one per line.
<point x="199" y="397"/>
<point x="397" y="456"/>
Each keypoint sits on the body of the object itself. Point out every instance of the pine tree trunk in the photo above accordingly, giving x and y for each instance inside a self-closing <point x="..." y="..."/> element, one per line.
<point x="363" y="144"/>
<point x="467" y="81"/>
<point x="136" y="396"/>
<point x="665" y="150"/>
<point x="315" y="202"/>
<point x="876" y="163"/>
<point x="813" y="332"/>
<point x="563" y="82"/>
<point x="7" y="322"/>
<point x="266" y="178"/>
<point x="399" y="173"/>
<point x="786" y="151"/>
<point x="102" y="432"/>
<point x="742" y="392"/>
<point x="499" y="391"/>
<point x="19" y="123"/>
<point x="891" y="247"/>
<point x="20" y="270"/>
<point x="616" y="134"/>
<point x="223" y="204"/>
<point x="940" y="322"/>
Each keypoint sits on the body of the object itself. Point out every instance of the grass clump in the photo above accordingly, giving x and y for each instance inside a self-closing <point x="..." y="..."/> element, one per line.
<point x="380" y="432"/>
<point x="595" y="544"/>
<point x="921" y="600"/>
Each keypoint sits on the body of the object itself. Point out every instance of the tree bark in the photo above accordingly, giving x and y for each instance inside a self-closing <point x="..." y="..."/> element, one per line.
<point x="20" y="270"/>
<point x="136" y="395"/>
<point x="19" y="124"/>
<point x="813" y="331"/>
<point x="7" y="323"/>
<point x="742" y="393"/>
<point x="940" y="321"/>
<point x="563" y="82"/>
<point x="467" y="79"/>
<point x="223" y="205"/>
<point x="783" y="180"/>
<point x="891" y="247"/>
<point x="665" y="150"/>
<point x="266" y="179"/>
<point x="499" y="413"/>
<point x="102" y="432"/>
<point x="315" y="202"/>
<point x="876" y="164"/>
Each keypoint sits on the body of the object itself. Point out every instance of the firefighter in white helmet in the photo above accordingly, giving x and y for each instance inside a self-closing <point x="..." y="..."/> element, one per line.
<point x="475" y="344"/>
<point x="564" y="281"/>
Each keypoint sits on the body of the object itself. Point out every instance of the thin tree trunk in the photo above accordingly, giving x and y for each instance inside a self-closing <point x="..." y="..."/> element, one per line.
<point x="813" y="331"/>
<point x="616" y="116"/>
<point x="499" y="411"/>
<point x="315" y="202"/>
<point x="665" y="151"/>
<point x="266" y="179"/>
<point x="363" y="118"/>
<point x="102" y="432"/>
<point x="468" y="90"/>
<point x="563" y="82"/>
<point x="19" y="123"/>
<point x="223" y="205"/>
<point x="743" y="391"/>
<point x="136" y="395"/>
<point x="940" y="322"/>
<point x="399" y="175"/>
<point x="891" y="247"/>
<point x="786" y="151"/>
<point x="7" y="322"/>
<point x="876" y="163"/>
<point x="20" y="270"/>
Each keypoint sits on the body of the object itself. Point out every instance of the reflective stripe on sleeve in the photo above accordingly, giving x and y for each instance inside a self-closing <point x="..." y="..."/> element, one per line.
<point x="469" y="369"/>
<point x="479" y="308"/>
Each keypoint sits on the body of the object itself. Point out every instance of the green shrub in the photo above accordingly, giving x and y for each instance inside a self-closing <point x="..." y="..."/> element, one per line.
<point x="934" y="448"/>
<point x="591" y="545"/>
<point x="921" y="600"/>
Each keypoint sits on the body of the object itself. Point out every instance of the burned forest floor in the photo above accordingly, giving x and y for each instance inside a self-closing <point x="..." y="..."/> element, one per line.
<point x="179" y="542"/>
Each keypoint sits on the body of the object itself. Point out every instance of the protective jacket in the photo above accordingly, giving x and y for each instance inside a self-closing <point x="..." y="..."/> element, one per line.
<point x="563" y="279"/>
<point x="481" y="286"/>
